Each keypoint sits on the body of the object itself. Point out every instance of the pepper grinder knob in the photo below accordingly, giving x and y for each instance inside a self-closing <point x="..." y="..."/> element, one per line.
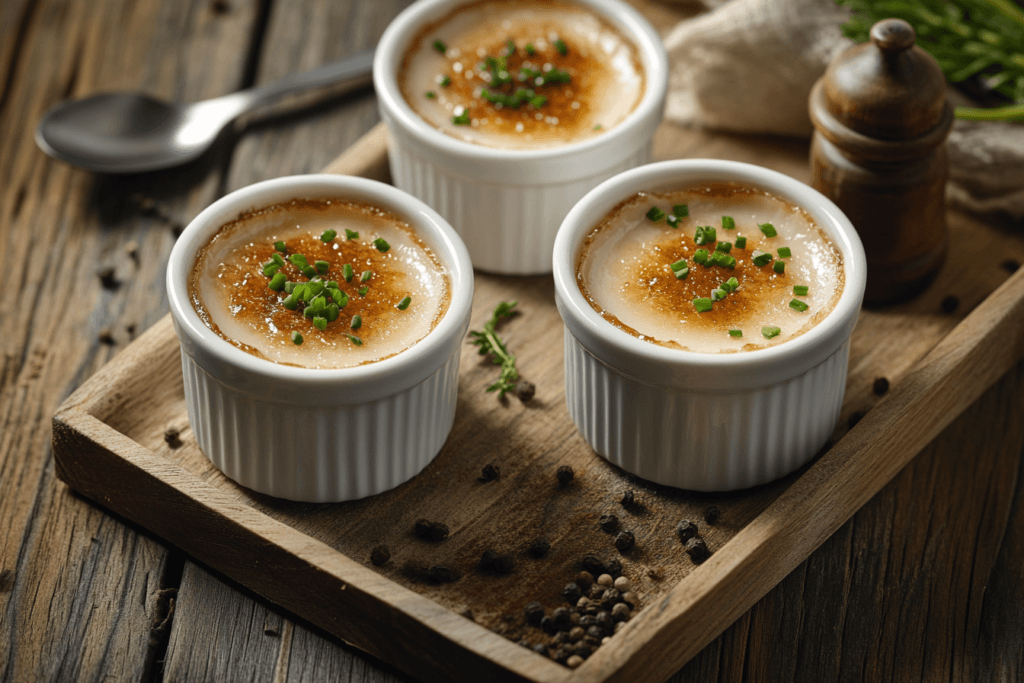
<point x="893" y="36"/>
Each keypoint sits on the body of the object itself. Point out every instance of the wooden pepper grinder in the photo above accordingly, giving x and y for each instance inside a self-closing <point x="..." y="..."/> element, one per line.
<point x="881" y="119"/>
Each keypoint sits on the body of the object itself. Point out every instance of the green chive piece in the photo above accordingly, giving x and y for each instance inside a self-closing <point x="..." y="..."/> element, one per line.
<point x="296" y="337"/>
<point x="290" y="286"/>
<point x="440" y="46"/>
<point x="381" y="244"/>
<point x="733" y="283"/>
<point x="728" y="223"/>
<point x="700" y="256"/>
<point x="770" y="331"/>
<point x="309" y="271"/>
<point x="597" y="127"/>
<point x="768" y="229"/>
<point x="510" y="47"/>
<point x="538" y="101"/>
<point x="363" y="290"/>
<point x="673" y="221"/>
<point x="332" y="312"/>
<point x="779" y="267"/>
<point x="726" y="286"/>
<point x="718" y="294"/>
<point x="308" y="312"/>
<point x="741" y="242"/>
<point x="340" y="297"/>
<point x="365" y="277"/>
<point x="445" y="81"/>
<point x="278" y="259"/>
<point x="654" y="214"/>
<point x="462" y="119"/>
<point x="798" y="305"/>
<point x="562" y="48"/>
<point x="333" y="284"/>
<point x="430" y="94"/>
<point x="530" y="49"/>
<point x="291" y="302"/>
<point x="322" y="267"/>
<point x="280" y="247"/>
<point x="404" y="303"/>
<point x="735" y="333"/>
<point x="722" y="260"/>
<point x="724" y="247"/>
<point x="357" y="322"/>
<point x="680" y="210"/>
<point x="705" y="235"/>
<point x="277" y="282"/>
<point x="702" y="305"/>
<point x="682" y="273"/>
<point x="785" y="252"/>
<point x="316" y="287"/>
<point x="347" y="271"/>
<point x="800" y="290"/>
<point x="351" y="234"/>
<point x="270" y="268"/>
<point x="678" y="265"/>
<point x="318" y="304"/>
<point x="298" y="260"/>
<point x="328" y="235"/>
<point x="320" y="323"/>
<point x="762" y="258"/>
<point x="354" y="339"/>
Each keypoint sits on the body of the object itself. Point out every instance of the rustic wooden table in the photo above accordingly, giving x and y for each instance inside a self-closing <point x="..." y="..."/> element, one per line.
<point x="926" y="582"/>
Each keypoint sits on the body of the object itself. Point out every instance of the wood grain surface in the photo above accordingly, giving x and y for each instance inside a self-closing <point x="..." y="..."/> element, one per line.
<point x="923" y="583"/>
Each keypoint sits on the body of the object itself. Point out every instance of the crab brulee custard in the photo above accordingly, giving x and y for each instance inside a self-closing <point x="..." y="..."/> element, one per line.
<point x="522" y="74"/>
<point x="715" y="268"/>
<point x="323" y="283"/>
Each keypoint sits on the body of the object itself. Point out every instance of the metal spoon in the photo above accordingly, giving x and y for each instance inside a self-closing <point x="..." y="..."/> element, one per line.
<point x="131" y="132"/>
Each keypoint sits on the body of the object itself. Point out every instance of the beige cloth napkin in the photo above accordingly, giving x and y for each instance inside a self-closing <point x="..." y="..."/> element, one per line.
<point x="748" y="65"/>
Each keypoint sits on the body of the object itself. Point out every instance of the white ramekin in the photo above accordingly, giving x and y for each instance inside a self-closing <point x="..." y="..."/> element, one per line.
<point x="706" y="422"/>
<point x="507" y="204"/>
<point x="320" y="435"/>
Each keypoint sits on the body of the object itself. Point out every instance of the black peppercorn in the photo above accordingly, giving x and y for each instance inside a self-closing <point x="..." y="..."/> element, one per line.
<point x="588" y="620"/>
<point x="422" y="528"/>
<point x="595" y="631"/>
<point x="950" y="304"/>
<point x="564" y="475"/>
<point x="562" y="619"/>
<point x="173" y="437"/>
<point x="595" y="592"/>
<point x="625" y="540"/>
<point x="585" y="580"/>
<point x="880" y="386"/>
<point x="488" y="559"/>
<point x="525" y="390"/>
<point x="686" y="530"/>
<point x="712" y="514"/>
<point x="583" y="649"/>
<point x="697" y="549"/>
<point x="379" y="555"/>
<point x="593" y="565"/>
<point x="541" y="649"/>
<point x="547" y="625"/>
<point x="539" y="547"/>
<point x="610" y="597"/>
<point x="605" y="621"/>
<point x="534" y="613"/>
<point x="489" y="473"/>
<point x="628" y="498"/>
<point x="442" y="573"/>
<point x="609" y="522"/>
<point x="572" y="593"/>
<point x="613" y="567"/>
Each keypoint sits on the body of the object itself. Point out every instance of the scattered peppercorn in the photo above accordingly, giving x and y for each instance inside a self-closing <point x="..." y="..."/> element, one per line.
<point x="572" y="593"/>
<point x="950" y="304"/>
<point x="564" y="475"/>
<point x="573" y="661"/>
<point x="534" y="613"/>
<point x="442" y="573"/>
<point x="108" y="280"/>
<point x="593" y="565"/>
<point x="613" y="566"/>
<point x="431" y="531"/>
<point x="712" y="514"/>
<point x="547" y="625"/>
<point x="605" y="621"/>
<point x="628" y="498"/>
<point x="610" y="598"/>
<point x="697" y="549"/>
<point x="622" y="584"/>
<point x="585" y="580"/>
<point x="686" y="530"/>
<point x="106" y="337"/>
<point x="620" y="612"/>
<point x="525" y="390"/>
<point x="562" y="619"/>
<point x="1010" y="265"/>
<point x="625" y="540"/>
<point x="489" y="473"/>
<point x="595" y="591"/>
<point x="173" y="437"/>
<point x="605" y="581"/>
<point x="609" y="522"/>
<point x="492" y="561"/>
<point x="855" y="418"/>
<point x="541" y="649"/>
<point x="656" y="573"/>
<point x="379" y="555"/>
<point x="881" y="386"/>
<point x="539" y="547"/>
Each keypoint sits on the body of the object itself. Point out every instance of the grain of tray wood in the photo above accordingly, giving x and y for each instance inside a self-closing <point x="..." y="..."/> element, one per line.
<point x="314" y="559"/>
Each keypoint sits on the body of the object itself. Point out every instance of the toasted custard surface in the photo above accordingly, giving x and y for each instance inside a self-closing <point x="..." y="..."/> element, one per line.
<point x="231" y="295"/>
<point x="607" y="80"/>
<point x="624" y="270"/>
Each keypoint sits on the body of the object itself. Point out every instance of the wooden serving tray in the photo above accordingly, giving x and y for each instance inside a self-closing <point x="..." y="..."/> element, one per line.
<point x="314" y="559"/>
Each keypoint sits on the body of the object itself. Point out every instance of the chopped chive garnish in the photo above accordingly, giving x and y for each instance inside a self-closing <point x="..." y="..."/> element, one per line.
<point x="308" y="312"/>
<point x="655" y="214"/>
<point x="678" y="265"/>
<point x="291" y="302"/>
<point x="768" y="229"/>
<point x="340" y="297"/>
<point x="785" y="252"/>
<point x="322" y="266"/>
<point x="333" y="284"/>
<point x="682" y="273"/>
<point x="270" y="268"/>
<point x="296" y="337"/>
<point x="673" y="221"/>
<point x="280" y="247"/>
<point x="762" y="258"/>
<point x="705" y="235"/>
<point x="351" y="234"/>
<point x="277" y="282"/>
<point x="538" y="101"/>
<point x="733" y="283"/>
<point x="381" y="244"/>
<point x="365" y="277"/>
<point x="597" y="127"/>
<point x="723" y="260"/>
<point x="347" y="272"/>
<point x="333" y="312"/>
<point x="357" y="322"/>
<point x="309" y="271"/>
<point x="354" y="339"/>
<point x="798" y="305"/>
<point x="800" y="290"/>
<point x="779" y="267"/>
<point x="718" y="294"/>
<point x="278" y="259"/>
<point x="680" y="210"/>
<point x="290" y="286"/>
<point x="320" y="323"/>
<point x="700" y="256"/>
<point x="430" y="94"/>
<point x="304" y="292"/>
<point x="440" y="46"/>
<point x="702" y="305"/>
<point x="404" y="303"/>
<point x="741" y="242"/>
<point x="298" y="260"/>
<point x="462" y="119"/>
<point x="770" y="331"/>
<point x="328" y="235"/>
<point x="735" y="333"/>
<point x="510" y="47"/>
<point x="530" y="49"/>
<point x="724" y="247"/>
<point x="562" y="48"/>
<point x="728" y="223"/>
<point x="363" y="290"/>
<point x="445" y="81"/>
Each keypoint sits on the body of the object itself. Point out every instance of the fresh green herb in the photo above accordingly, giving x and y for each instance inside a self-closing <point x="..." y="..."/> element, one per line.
<point x="298" y="260"/>
<point x="530" y="49"/>
<point x="445" y="81"/>
<point x="320" y="323"/>
<point x="770" y="331"/>
<point x="340" y="298"/>
<point x="277" y="282"/>
<point x="800" y="290"/>
<point x="562" y="48"/>
<point x="280" y="247"/>
<point x="404" y="303"/>
<point x="655" y="214"/>
<point x="682" y="273"/>
<point x="462" y="119"/>
<point x="701" y="256"/>
<point x="722" y="260"/>
<point x="681" y="210"/>
<point x="365" y="277"/>
<point x="328" y="235"/>
<point x="768" y="229"/>
<point x="785" y="252"/>
<point x="322" y="267"/>
<point x="798" y="305"/>
<point x="724" y="247"/>
<point x="381" y="244"/>
<point x="672" y="221"/>
<point x="490" y="343"/>
<point x="733" y="283"/>
<point x="351" y="234"/>
<point x="728" y="223"/>
<point x="779" y="267"/>
<point x="357" y="321"/>
<point x="678" y="265"/>
<point x="363" y="290"/>
<point x="354" y="339"/>
<point x="705" y="235"/>
<point x="270" y="268"/>
<point x="430" y="94"/>
<point x="718" y="294"/>
<point x="332" y="312"/>
<point x="440" y="46"/>
<point x="702" y="305"/>
<point x="735" y="333"/>
<point x="291" y="302"/>
<point x="741" y="242"/>
<point x="347" y="272"/>
<point x="278" y="259"/>
<point x="597" y="127"/>
<point x="296" y="337"/>
<point x="510" y="47"/>
<point x="309" y="271"/>
<point x="762" y="258"/>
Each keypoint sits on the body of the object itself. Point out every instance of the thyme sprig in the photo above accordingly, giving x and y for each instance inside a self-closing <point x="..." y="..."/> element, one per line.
<point x="490" y="343"/>
<point x="966" y="37"/>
